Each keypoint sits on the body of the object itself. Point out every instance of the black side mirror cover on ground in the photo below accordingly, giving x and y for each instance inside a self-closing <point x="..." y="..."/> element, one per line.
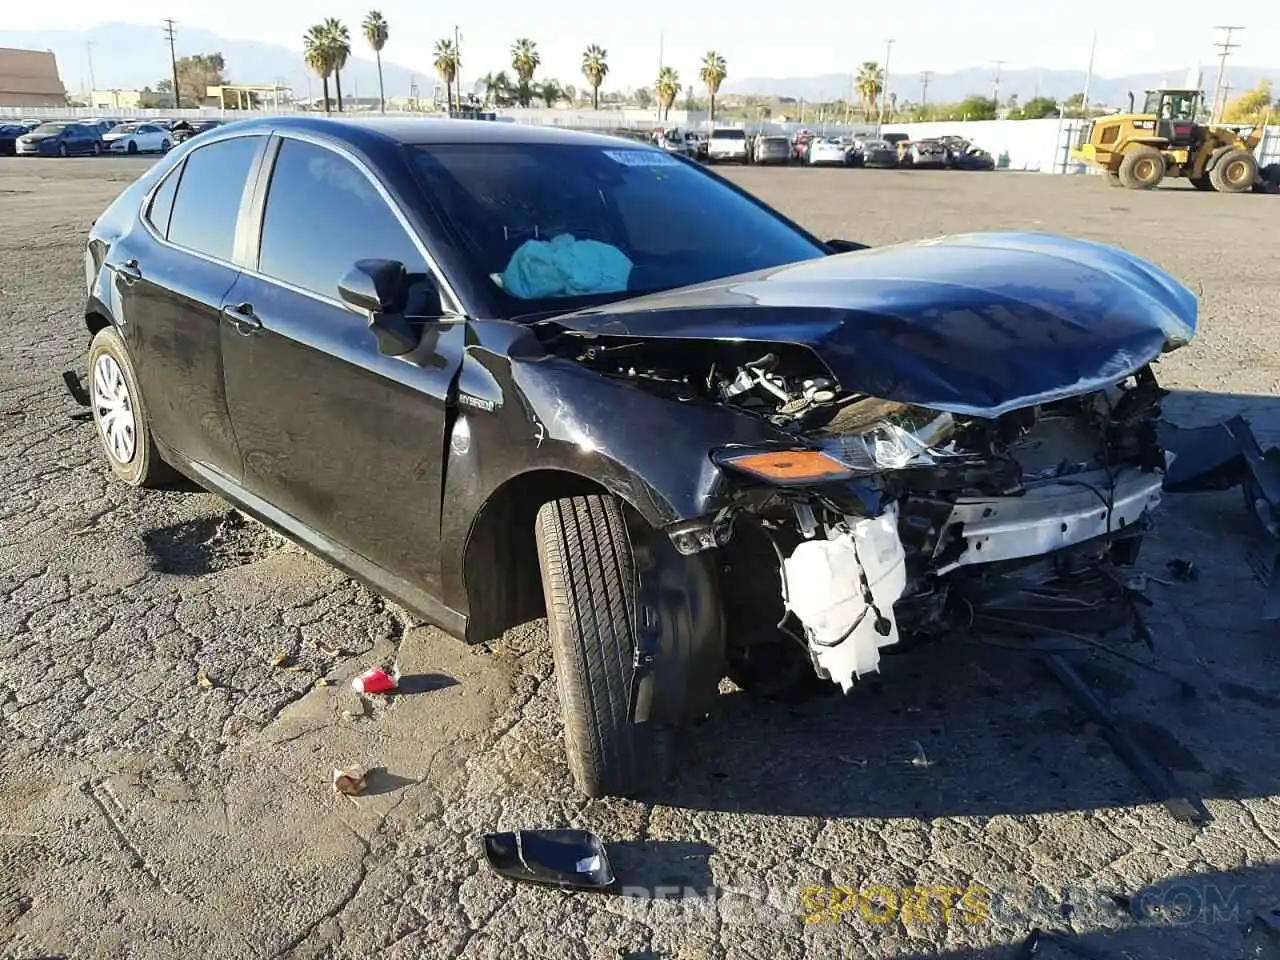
<point x="559" y="858"/>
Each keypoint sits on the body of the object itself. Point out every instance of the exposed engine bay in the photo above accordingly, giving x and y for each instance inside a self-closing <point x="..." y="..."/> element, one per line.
<point x="886" y="522"/>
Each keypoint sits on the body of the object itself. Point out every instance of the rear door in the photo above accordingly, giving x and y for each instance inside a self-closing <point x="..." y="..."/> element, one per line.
<point x="343" y="439"/>
<point x="172" y="277"/>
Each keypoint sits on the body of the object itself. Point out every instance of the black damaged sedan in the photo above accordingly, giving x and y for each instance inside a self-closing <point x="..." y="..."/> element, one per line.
<point x="477" y="367"/>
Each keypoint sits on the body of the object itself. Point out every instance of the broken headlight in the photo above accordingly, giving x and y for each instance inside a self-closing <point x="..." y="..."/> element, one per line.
<point x="890" y="445"/>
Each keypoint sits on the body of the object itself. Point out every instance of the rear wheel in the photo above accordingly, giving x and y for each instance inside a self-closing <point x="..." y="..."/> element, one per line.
<point x="1141" y="168"/>
<point x="121" y="415"/>
<point x="1234" y="172"/>
<point x="588" y="581"/>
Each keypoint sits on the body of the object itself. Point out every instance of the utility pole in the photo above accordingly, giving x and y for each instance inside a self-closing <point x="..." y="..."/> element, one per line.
<point x="457" y="67"/>
<point x="88" y="47"/>
<point x="173" y="62"/>
<point x="924" y="86"/>
<point x="884" y="86"/>
<point x="1088" y="78"/>
<point x="995" y="94"/>
<point x="656" y="95"/>
<point x="1225" y="46"/>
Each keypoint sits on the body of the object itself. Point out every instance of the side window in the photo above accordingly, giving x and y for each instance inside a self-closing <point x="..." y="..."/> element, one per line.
<point x="208" y="201"/>
<point x="162" y="201"/>
<point x="322" y="215"/>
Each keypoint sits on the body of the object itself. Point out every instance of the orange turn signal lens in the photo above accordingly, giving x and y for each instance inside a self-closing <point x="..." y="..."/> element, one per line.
<point x="789" y="466"/>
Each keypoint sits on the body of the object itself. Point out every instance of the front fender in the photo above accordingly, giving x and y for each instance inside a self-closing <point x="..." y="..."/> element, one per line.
<point x="518" y="412"/>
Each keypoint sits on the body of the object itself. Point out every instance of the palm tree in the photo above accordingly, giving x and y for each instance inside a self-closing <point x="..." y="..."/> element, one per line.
<point x="497" y="88"/>
<point x="595" y="67"/>
<point x="667" y="89"/>
<point x="869" y="83"/>
<point x="338" y="41"/>
<point x="315" y="44"/>
<point x="525" y="59"/>
<point x="713" y="73"/>
<point x="549" y="92"/>
<point x="376" y="32"/>
<point x="446" y="65"/>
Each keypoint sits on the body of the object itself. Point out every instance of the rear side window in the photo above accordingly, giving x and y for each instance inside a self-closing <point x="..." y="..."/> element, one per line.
<point x="322" y="215"/>
<point x="162" y="202"/>
<point x="207" y="204"/>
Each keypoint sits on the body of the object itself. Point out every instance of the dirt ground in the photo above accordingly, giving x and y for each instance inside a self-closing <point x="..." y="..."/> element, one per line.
<point x="164" y="783"/>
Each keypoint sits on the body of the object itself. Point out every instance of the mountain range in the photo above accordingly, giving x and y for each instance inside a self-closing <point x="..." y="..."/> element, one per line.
<point x="131" y="56"/>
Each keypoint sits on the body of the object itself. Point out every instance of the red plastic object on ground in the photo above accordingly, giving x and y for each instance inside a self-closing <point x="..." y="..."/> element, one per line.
<point x="373" y="680"/>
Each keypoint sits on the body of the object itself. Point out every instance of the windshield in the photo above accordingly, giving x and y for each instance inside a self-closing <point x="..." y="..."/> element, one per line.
<point x="124" y="128"/>
<point x="603" y="221"/>
<point x="49" y="129"/>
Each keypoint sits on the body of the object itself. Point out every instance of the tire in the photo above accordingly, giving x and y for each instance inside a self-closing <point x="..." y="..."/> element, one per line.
<point x="133" y="146"/>
<point x="113" y="386"/>
<point x="97" y="149"/>
<point x="1235" y="172"/>
<point x="588" y="581"/>
<point x="164" y="146"/>
<point x="62" y="150"/>
<point x="1141" y="168"/>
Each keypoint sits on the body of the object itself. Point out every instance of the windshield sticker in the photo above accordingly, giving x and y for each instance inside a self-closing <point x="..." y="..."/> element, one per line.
<point x="642" y="158"/>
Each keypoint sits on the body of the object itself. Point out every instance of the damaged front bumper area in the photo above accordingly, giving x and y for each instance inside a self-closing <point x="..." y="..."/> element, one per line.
<point x="894" y="522"/>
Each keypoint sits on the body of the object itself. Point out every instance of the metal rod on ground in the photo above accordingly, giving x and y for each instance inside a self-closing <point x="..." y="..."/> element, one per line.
<point x="1155" y="778"/>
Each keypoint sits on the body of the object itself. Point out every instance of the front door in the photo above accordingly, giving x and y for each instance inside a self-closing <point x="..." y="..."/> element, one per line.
<point x="170" y="286"/>
<point x="343" y="439"/>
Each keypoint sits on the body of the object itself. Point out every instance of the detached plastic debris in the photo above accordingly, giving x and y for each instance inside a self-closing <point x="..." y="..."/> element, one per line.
<point x="374" y="680"/>
<point x="567" y="858"/>
<point x="349" y="781"/>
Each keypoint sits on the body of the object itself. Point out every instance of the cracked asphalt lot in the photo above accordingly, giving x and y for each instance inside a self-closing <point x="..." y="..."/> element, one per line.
<point x="165" y="745"/>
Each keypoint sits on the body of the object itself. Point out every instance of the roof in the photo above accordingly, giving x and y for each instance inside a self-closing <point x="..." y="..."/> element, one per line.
<point x="426" y="130"/>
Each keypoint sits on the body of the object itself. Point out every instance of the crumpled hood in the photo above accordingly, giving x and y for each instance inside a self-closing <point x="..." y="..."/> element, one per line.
<point x="979" y="323"/>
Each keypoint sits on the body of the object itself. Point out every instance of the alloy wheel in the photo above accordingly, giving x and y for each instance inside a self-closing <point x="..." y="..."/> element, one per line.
<point x="113" y="409"/>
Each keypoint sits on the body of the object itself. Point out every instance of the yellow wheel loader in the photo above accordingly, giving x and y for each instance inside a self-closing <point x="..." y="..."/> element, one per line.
<point x="1138" y="150"/>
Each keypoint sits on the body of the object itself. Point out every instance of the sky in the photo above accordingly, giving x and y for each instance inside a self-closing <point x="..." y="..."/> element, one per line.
<point x="757" y="39"/>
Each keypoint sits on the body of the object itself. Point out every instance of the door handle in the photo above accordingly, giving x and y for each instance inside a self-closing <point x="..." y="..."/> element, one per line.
<point x="129" y="271"/>
<point x="242" y="317"/>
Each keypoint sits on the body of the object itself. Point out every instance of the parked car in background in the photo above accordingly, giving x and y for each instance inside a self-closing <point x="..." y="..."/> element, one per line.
<point x="727" y="144"/>
<point x="923" y="153"/>
<point x="826" y="152"/>
<point x="772" y="149"/>
<point x="878" y="154"/>
<point x="184" y="130"/>
<point x="673" y="141"/>
<point x="137" y="138"/>
<point x="971" y="158"/>
<point x="698" y="144"/>
<point x="9" y="134"/>
<point x="61" y="139"/>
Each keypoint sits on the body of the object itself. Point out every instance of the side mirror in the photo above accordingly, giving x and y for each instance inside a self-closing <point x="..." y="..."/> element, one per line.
<point x="380" y="288"/>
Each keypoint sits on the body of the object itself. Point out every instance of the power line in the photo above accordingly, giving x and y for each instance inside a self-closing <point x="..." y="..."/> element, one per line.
<point x="173" y="62"/>
<point x="924" y="86"/>
<point x="1225" y="46"/>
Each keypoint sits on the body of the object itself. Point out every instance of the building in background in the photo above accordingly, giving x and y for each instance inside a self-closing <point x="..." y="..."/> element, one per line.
<point x="29" y="78"/>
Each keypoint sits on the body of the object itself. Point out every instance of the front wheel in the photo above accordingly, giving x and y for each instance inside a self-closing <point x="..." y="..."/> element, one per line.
<point x="97" y="149"/>
<point x="62" y="150"/>
<point x="133" y="146"/>
<point x="588" y="581"/>
<point x="121" y="416"/>
<point x="164" y="146"/>
<point x="1235" y="172"/>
